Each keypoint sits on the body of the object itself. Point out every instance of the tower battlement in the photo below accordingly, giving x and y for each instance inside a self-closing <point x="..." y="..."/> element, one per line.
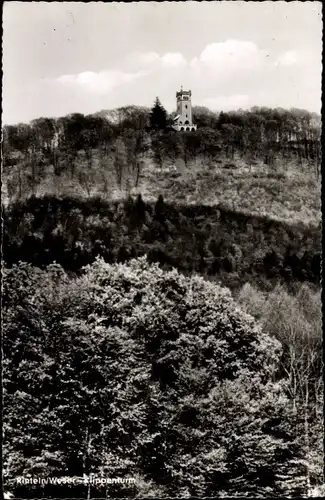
<point x="183" y="119"/>
<point x="182" y="93"/>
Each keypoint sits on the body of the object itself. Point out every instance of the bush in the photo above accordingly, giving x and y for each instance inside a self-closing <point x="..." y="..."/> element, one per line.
<point x="131" y="371"/>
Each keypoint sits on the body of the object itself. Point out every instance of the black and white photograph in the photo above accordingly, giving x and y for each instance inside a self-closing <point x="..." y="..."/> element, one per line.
<point x="161" y="250"/>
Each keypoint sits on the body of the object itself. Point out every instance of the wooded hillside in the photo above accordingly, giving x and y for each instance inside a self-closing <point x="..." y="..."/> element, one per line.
<point x="161" y="304"/>
<point x="261" y="161"/>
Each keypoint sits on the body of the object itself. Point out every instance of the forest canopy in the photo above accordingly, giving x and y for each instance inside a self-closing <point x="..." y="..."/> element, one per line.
<point x="110" y="146"/>
<point x="133" y="371"/>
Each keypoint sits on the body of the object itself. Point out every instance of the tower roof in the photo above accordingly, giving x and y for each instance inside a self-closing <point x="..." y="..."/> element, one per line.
<point x="183" y="92"/>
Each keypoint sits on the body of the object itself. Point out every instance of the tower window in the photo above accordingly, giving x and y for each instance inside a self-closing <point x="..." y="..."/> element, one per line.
<point x="186" y="106"/>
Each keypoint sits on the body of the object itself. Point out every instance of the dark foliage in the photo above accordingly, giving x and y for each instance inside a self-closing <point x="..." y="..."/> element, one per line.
<point x="158" y="116"/>
<point x="211" y="240"/>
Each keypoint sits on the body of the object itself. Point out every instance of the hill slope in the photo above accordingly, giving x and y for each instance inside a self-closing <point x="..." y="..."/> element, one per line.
<point x="263" y="162"/>
<point x="286" y="192"/>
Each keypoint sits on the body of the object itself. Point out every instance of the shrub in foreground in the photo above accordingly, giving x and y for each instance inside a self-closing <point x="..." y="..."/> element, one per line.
<point x="130" y="371"/>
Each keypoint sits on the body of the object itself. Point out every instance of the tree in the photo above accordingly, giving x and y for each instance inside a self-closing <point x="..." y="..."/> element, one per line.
<point x="136" y="146"/>
<point x="120" y="161"/>
<point x="91" y="136"/>
<point x="44" y="133"/>
<point x="158" y="116"/>
<point x="230" y="137"/>
<point x="295" y="320"/>
<point x="136" y="372"/>
<point x="208" y="142"/>
<point x="203" y="117"/>
<point x="70" y="139"/>
<point x="18" y="137"/>
<point x="158" y="147"/>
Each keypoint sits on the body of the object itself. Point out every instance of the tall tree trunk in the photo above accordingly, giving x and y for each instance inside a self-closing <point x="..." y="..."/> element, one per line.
<point x="89" y="156"/>
<point x="86" y="467"/>
<point x="306" y="428"/>
<point x="55" y="162"/>
<point x="32" y="161"/>
<point x="137" y="174"/>
<point x="20" y="182"/>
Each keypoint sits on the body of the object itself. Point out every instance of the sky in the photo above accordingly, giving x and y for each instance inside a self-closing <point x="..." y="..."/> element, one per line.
<point x="67" y="57"/>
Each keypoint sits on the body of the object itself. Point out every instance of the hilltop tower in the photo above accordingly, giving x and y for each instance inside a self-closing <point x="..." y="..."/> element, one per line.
<point x="183" y="119"/>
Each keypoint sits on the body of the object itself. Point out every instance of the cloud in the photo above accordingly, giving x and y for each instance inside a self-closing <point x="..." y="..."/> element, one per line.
<point x="141" y="59"/>
<point x="225" y="75"/>
<point x="218" y="60"/>
<point x="101" y="82"/>
<point x="142" y="64"/>
<point x="288" y="58"/>
<point x="230" y="55"/>
<point x="173" y="59"/>
<point x="152" y="61"/>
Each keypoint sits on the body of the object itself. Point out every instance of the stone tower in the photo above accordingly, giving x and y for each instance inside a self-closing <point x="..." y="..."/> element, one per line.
<point x="183" y="119"/>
